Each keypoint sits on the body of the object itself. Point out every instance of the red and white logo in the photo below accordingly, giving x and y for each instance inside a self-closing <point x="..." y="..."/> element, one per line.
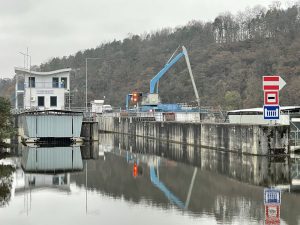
<point x="275" y="83"/>
<point x="271" y="98"/>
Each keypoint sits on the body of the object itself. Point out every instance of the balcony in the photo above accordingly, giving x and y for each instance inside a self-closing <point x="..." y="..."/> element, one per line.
<point x="42" y="85"/>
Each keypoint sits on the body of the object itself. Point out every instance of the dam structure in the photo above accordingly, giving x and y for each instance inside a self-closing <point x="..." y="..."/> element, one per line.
<point x="254" y="139"/>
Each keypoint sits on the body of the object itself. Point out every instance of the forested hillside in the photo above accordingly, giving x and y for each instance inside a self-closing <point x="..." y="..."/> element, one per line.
<point x="7" y="88"/>
<point x="228" y="56"/>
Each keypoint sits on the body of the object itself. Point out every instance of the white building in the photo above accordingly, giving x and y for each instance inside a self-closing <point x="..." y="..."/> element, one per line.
<point x="43" y="90"/>
<point x="288" y="114"/>
<point x="97" y="106"/>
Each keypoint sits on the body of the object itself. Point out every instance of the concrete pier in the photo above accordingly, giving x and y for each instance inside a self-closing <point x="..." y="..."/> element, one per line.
<point x="241" y="138"/>
<point x="89" y="131"/>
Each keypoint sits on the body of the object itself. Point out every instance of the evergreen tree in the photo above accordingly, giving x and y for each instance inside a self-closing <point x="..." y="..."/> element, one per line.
<point x="5" y="119"/>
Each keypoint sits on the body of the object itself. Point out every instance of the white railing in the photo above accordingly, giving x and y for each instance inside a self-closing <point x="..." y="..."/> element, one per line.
<point x="45" y="85"/>
<point x="157" y="116"/>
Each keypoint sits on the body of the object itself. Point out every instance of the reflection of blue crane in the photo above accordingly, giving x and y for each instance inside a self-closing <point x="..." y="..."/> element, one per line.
<point x="160" y="185"/>
<point x="164" y="189"/>
<point x="131" y="158"/>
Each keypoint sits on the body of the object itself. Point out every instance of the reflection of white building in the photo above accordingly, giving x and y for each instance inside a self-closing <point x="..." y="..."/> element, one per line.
<point x="43" y="90"/>
<point x="61" y="181"/>
<point x="47" y="167"/>
<point x="51" y="159"/>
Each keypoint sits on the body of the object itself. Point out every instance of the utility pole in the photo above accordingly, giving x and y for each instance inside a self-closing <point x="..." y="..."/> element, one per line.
<point x="86" y="104"/>
<point x="29" y="69"/>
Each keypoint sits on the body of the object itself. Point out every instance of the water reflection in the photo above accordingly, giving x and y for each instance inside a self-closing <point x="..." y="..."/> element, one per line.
<point x="6" y="180"/>
<point x="165" y="183"/>
<point x="257" y="170"/>
<point x="122" y="174"/>
<point x="41" y="168"/>
<point x="222" y="184"/>
<point x="51" y="159"/>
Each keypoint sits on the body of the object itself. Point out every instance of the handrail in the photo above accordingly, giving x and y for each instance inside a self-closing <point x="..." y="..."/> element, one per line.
<point x="45" y="85"/>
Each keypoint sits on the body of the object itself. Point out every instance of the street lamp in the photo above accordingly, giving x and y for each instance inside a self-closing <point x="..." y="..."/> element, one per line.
<point x="86" y="71"/>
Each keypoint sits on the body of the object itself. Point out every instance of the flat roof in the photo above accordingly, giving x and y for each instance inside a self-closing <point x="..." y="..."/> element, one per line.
<point x="23" y="70"/>
<point x="260" y="110"/>
<point x="247" y="110"/>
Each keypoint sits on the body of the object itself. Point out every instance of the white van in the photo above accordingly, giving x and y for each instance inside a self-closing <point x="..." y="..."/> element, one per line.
<point x="107" y="109"/>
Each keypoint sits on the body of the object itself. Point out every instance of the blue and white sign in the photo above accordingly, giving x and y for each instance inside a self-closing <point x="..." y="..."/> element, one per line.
<point x="271" y="112"/>
<point x="272" y="196"/>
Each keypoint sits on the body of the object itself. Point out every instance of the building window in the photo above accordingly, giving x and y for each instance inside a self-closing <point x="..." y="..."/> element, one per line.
<point x="53" y="101"/>
<point x="64" y="82"/>
<point x="55" y="82"/>
<point x="31" y="82"/>
<point x="41" y="101"/>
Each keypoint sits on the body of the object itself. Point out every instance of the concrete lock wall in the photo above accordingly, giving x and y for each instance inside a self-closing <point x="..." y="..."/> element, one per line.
<point x="242" y="138"/>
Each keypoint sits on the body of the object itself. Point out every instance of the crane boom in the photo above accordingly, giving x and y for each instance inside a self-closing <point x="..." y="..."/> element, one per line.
<point x="191" y="74"/>
<point x="153" y="82"/>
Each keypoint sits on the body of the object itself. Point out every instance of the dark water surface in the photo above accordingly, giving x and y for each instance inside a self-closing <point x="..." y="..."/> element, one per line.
<point x="125" y="180"/>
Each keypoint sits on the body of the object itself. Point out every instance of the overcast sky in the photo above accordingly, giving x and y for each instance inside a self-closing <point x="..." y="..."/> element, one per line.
<point x="51" y="28"/>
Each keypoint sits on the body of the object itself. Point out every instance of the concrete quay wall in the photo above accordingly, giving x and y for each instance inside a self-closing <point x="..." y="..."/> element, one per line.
<point x="242" y="138"/>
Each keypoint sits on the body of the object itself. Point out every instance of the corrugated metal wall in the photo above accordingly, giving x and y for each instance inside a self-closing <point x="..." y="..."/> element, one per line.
<point x="51" y="125"/>
<point x="52" y="159"/>
<point x="30" y="126"/>
<point x="77" y="123"/>
<point x="54" y="126"/>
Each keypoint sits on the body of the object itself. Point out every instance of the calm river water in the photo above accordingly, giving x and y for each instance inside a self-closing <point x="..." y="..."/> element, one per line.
<point x="126" y="180"/>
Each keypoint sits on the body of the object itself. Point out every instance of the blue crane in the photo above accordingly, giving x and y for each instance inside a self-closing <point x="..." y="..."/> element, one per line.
<point x="152" y="98"/>
<point x="169" y="64"/>
<point x="159" y="75"/>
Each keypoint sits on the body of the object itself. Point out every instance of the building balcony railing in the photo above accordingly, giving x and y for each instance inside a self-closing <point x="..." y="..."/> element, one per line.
<point x="45" y="85"/>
